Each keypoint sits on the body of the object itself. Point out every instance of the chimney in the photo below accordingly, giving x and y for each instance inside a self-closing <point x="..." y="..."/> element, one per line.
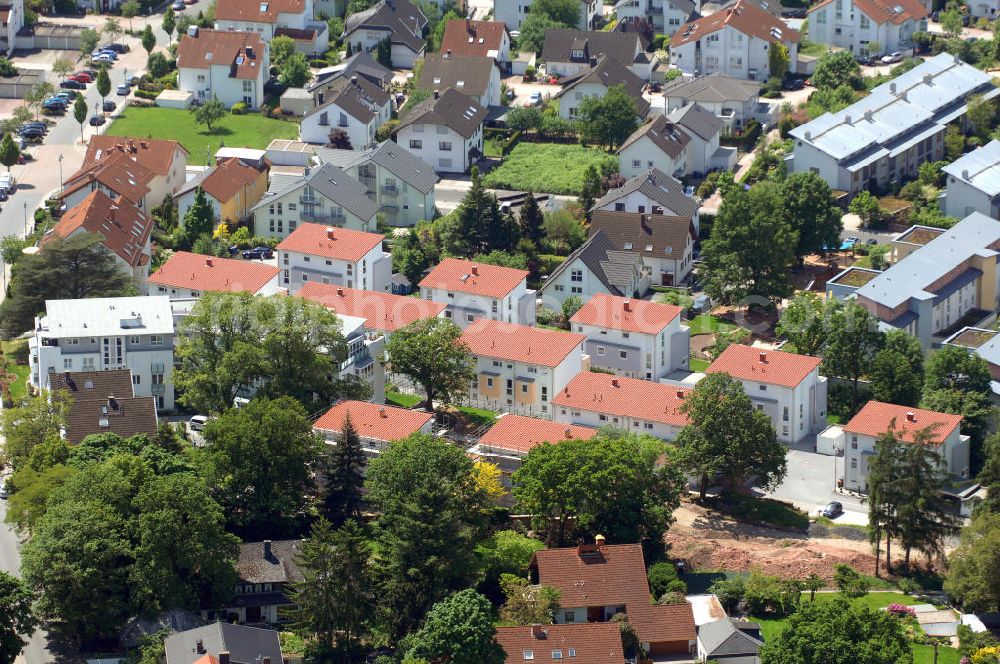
<point x="199" y="646"/>
<point x="112" y="402"/>
<point x="928" y="79"/>
<point x="267" y="660"/>
<point x="763" y="357"/>
<point x="538" y="632"/>
<point x="965" y="173"/>
<point x="340" y="292"/>
<point x="911" y="416"/>
<point x="447" y="54"/>
<point x="208" y="262"/>
<point x="267" y="549"/>
<point x="868" y="115"/>
<point x="354" y="80"/>
<point x="329" y="232"/>
<point x="599" y="540"/>
<point x="382" y="413"/>
<point x="223" y="657"/>
<point x="475" y="270"/>
<point x="892" y="88"/>
<point x="627" y="305"/>
<point x="468" y="26"/>
<point x="809" y="135"/>
<point x="569" y="432"/>
<point x="437" y="94"/>
<point x="614" y="382"/>
<point x="847" y="119"/>
<point x="680" y="394"/>
<point x="192" y="31"/>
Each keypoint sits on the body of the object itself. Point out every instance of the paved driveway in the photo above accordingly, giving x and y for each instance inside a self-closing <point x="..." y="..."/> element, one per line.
<point x="811" y="483"/>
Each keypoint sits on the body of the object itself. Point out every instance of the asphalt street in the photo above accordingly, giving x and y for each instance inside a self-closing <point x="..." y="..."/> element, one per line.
<point x="36" y="651"/>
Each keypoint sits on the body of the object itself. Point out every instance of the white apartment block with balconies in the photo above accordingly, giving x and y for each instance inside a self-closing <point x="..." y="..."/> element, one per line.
<point x="335" y="256"/>
<point x="472" y="291"/>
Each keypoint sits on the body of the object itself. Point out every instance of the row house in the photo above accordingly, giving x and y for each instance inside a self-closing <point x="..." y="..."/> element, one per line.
<point x="336" y="256"/>
<point x="473" y="291"/>
<point x="973" y="183"/>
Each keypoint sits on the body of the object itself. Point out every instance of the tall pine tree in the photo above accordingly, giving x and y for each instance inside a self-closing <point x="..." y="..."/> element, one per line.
<point x="478" y="225"/>
<point x="532" y="221"/>
<point x="883" y="496"/>
<point x="199" y="219"/>
<point x="345" y="476"/>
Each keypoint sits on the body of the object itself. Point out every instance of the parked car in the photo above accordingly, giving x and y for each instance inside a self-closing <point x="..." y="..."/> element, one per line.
<point x="90" y="72"/>
<point x="54" y="106"/>
<point x="4" y="195"/>
<point x="871" y="241"/>
<point x="198" y="422"/>
<point x="793" y="84"/>
<point x="82" y="77"/>
<point x="7" y="182"/>
<point x="259" y="253"/>
<point x="108" y="51"/>
<point x="535" y="99"/>
<point x="131" y="80"/>
<point x="109" y="106"/>
<point x="97" y="120"/>
<point x="64" y="95"/>
<point x="689" y="191"/>
<point x="118" y="48"/>
<point x="892" y="58"/>
<point x="37" y="125"/>
<point x="121" y="90"/>
<point x="865" y="60"/>
<point x="4" y="494"/>
<point x="70" y="84"/>
<point x="104" y="59"/>
<point x="178" y="5"/>
<point x="832" y="510"/>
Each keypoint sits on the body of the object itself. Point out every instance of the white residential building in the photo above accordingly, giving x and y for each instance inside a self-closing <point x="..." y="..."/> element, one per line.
<point x="11" y="22"/>
<point x="135" y="333"/>
<point x="272" y="18"/>
<point x="596" y="266"/>
<point x="635" y="338"/>
<point x="983" y="9"/>
<point x="888" y="134"/>
<point x="570" y="53"/>
<point x="475" y="76"/>
<point x="736" y="41"/>
<point x="652" y="192"/>
<point x="401" y="184"/>
<point x="664" y="16"/>
<point x="513" y="13"/>
<point x="519" y="368"/>
<point x="640" y="406"/>
<point x="867" y="26"/>
<point x="364" y="353"/>
<point x="786" y="386"/>
<point x="187" y="276"/>
<point x="325" y="195"/>
<point x="337" y="256"/>
<point x="876" y="418"/>
<point x="704" y="152"/>
<point x="474" y="291"/>
<point x="665" y="242"/>
<point x="377" y="425"/>
<point x="973" y="183"/>
<point x="596" y="82"/>
<point x="231" y="66"/>
<point x="355" y="106"/>
<point x="396" y="20"/>
<point x="658" y="144"/>
<point x="735" y="101"/>
<point x="445" y="130"/>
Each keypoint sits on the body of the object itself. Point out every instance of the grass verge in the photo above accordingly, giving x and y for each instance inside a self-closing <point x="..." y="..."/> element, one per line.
<point x="707" y="324"/>
<point x="761" y="512"/>
<point x="401" y="400"/>
<point x="553" y="168"/>
<point x="698" y="365"/>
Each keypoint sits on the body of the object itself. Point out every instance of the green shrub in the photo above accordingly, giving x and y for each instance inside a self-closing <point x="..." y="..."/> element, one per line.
<point x="662" y="577"/>
<point x="658" y="41"/>
<point x="145" y="94"/>
<point x="239" y="108"/>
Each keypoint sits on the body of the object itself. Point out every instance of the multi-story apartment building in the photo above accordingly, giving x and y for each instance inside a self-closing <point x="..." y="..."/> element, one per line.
<point x="187" y="276"/>
<point x="336" y="256"/>
<point x="665" y="16"/>
<point x="635" y="338"/>
<point x="666" y="243"/>
<point x="786" y="386"/>
<point x="473" y="291"/>
<point x="273" y="18"/>
<point x="867" y="26"/>
<point x="232" y="187"/>
<point x="472" y="75"/>
<point x="377" y="425"/>
<point x="518" y="368"/>
<point x="445" y="130"/>
<point x="513" y="13"/>
<point x="231" y="66"/>
<point x="384" y="313"/>
<point x="973" y="183"/>
<point x="135" y="333"/>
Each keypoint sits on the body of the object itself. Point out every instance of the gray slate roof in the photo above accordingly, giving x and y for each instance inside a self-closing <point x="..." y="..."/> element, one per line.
<point x="281" y="566"/>
<point x="359" y="97"/>
<point x="712" y="88"/>
<point x="609" y="73"/>
<point x="464" y="73"/>
<point x="334" y="184"/>
<point x="612" y="267"/>
<point x="404" y="20"/>
<point x="659" y="187"/>
<point x="698" y="120"/>
<point x="664" y="134"/>
<point x="723" y="638"/>
<point x="359" y="64"/>
<point x="559" y="44"/>
<point x="391" y="156"/>
<point x="451" y="108"/>
<point x="246" y="645"/>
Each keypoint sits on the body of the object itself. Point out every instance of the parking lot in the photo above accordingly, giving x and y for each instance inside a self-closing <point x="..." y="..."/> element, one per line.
<point x="811" y="484"/>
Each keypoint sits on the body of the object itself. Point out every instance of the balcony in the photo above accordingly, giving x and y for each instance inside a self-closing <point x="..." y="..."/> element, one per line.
<point x="390" y="190"/>
<point x="158" y="389"/>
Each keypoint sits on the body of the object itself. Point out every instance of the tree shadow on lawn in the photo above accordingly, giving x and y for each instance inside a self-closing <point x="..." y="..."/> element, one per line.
<point x="217" y="131"/>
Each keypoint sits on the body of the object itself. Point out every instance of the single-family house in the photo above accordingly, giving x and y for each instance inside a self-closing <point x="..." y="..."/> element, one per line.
<point x="733" y="100"/>
<point x="594" y="643"/>
<point x="519" y="368"/>
<point x="595" y="82"/>
<point x="401" y="184"/>
<point x="473" y="291"/>
<point x="156" y="166"/>
<point x="337" y="256"/>
<point x="273" y="18"/>
<point x="596" y="266"/>
<point x="223" y="643"/>
<point x="876" y="418"/>
<point x="652" y="191"/>
<point x="186" y="276"/>
<point x="786" y="386"/>
<point x="266" y="573"/>
<point x="399" y="21"/>
<point x="973" y="183"/>
<point x="939" y="284"/>
<point x="123" y="228"/>
<point x="664" y="16"/>
<point x="445" y="130"/>
<point x="118" y="176"/>
<point x="704" y="153"/>
<point x="512" y="13"/>
<point x="232" y="187"/>
<point x="869" y="27"/>
<point x="730" y="641"/>
<point x="103" y="402"/>
<point x="599" y="580"/>
<point x="325" y="195"/>
<point x="569" y="53"/>
<point x="600" y="399"/>
<point x="635" y="338"/>
<point x="360" y="64"/>
<point x="665" y="242"/>
<point x="377" y="426"/>
<point x="472" y="75"/>
<point x="384" y="313"/>
<point x="98" y="334"/>
<point x="482" y="39"/>
<point x="659" y="144"/>
<point x="885" y="137"/>
<point x="231" y="66"/>
<point x="735" y="41"/>
<point x="353" y="106"/>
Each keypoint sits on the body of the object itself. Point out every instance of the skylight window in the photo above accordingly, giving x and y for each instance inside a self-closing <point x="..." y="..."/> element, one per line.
<point x="263" y="7"/>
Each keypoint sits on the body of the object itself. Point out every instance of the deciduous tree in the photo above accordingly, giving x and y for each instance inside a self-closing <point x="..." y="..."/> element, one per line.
<point x="851" y="344"/>
<point x="811" y="210"/>
<point x="199" y="219"/>
<point x="148" y="39"/>
<point x="88" y="41"/>
<point x="777" y="60"/>
<point x="458" y="630"/>
<point x="608" y="120"/>
<point x="17" y="619"/>
<point x="566" y="12"/>
<point x="866" y="206"/>
<point x="430" y="353"/>
<point x="804" y="323"/>
<point x="79" y="114"/>
<point x="974" y="567"/>
<point x="9" y="152"/>
<point x="295" y="72"/>
<point x="533" y="31"/>
<point x="169" y="23"/>
<point x="103" y="83"/>
<point x="62" y="67"/>
<point x="282" y="48"/>
<point x="209" y="112"/>
<point x="897" y="371"/>
<point x="835" y="69"/>
<point x="527" y="604"/>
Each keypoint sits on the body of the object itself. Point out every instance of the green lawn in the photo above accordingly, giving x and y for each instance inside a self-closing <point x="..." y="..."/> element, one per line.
<point x="925" y="655"/>
<point x="477" y="416"/>
<point x="706" y="323"/>
<point x="401" y="400"/>
<point x="237" y="131"/>
<point x="762" y="511"/>
<point x="553" y="168"/>
<point x="16" y="353"/>
<point x="698" y="365"/>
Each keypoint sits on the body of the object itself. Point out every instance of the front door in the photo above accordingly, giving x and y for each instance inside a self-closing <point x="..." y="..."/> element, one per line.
<point x="253" y="614"/>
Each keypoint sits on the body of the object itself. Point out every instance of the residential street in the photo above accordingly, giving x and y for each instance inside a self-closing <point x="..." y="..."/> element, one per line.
<point x="10" y="561"/>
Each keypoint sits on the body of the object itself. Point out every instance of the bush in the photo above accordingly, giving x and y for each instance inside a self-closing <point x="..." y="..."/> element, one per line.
<point x="708" y="185"/>
<point x="901" y="610"/>
<point x="658" y="41"/>
<point x="660" y="576"/>
<point x="239" y="108"/>
<point x="145" y="94"/>
<point x="850" y="582"/>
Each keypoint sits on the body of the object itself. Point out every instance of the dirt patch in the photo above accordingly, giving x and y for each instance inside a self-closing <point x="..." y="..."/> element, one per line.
<point x="699" y="342"/>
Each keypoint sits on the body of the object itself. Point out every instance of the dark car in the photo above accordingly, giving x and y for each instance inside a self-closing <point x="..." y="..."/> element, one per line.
<point x="109" y="106"/>
<point x="31" y="134"/>
<point x="97" y="120"/>
<point x="871" y="241"/>
<point x="865" y="60"/>
<point x="233" y="250"/>
<point x="34" y="125"/>
<point x="118" y="48"/>
<point x="72" y="85"/>
<point x="793" y="84"/>
<point x="54" y="107"/>
<point x="4" y="195"/>
<point x="259" y="253"/>
<point x="832" y="510"/>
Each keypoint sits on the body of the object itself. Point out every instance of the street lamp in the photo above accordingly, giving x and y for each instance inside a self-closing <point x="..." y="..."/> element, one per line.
<point x="60" y="175"/>
<point x="26" y="220"/>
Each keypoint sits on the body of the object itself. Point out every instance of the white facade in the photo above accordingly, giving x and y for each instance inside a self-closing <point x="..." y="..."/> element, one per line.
<point x="569" y="101"/>
<point x="443" y="148"/>
<point x="372" y="272"/>
<point x="859" y="448"/>
<point x="281" y="214"/>
<point x="665" y="16"/>
<point x="596" y="418"/>
<point x="513" y="13"/>
<point x="963" y="198"/>
<point x="643" y="154"/>
<point x="517" y="306"/>
<point x="796" y="412"/>
<point x="731" y="52"/>
<point x="316" y="126"/>
<point x="214" y="80"/>
<point x="521" y="387"/>
<point x="844" y="24"/>
<point x="135" y="333"/>
<point x="368" y="39"/>
<point x="401" y="203"/>
<point x="295" y="21"/>
<point x="638" y="354"/>
<point x="983" y="9"/>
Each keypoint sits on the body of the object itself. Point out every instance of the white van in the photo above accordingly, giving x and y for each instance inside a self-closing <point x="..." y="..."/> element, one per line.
<point x="198" y="422"/>
<point x="7" y="182"/>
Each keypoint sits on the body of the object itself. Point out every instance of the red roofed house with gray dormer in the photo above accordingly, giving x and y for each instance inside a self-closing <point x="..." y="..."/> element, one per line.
<point x="232" y="66"/>
<point x="274" y="18"/>
<point x="856" y="25"/>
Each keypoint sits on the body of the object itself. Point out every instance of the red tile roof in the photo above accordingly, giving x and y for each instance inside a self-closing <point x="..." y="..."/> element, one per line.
<point x="520" y="343"/>
<point x="381" y="311"/>
<point x="329" y="242"/>
<point x="628" y="315"/>
<point x="609" y="575"/>
<point x="880" y="11"/>
<point x="773" y="367"/>
<point x="624" y="397"/>
<point x="475" y="38"/>
<point x="155" y="154"/>
<point x="743" y="16"/>
<point x="373" y="421"/>
<point x="123" y="226"/>
<point x="518" y="433"/>
<point x="119" y="173"/>
<point x="462" y="276"/>
<point x="207" y="273"/>
<point x="229" y="177"/>
<point x="252" y="11"/>
<point x="876" y="417"/>
<point x="242" y="52"/>
<point x="592" y="643"/>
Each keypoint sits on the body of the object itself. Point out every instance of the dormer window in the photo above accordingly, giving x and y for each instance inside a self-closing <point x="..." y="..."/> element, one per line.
<point x="576" y="54"/>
